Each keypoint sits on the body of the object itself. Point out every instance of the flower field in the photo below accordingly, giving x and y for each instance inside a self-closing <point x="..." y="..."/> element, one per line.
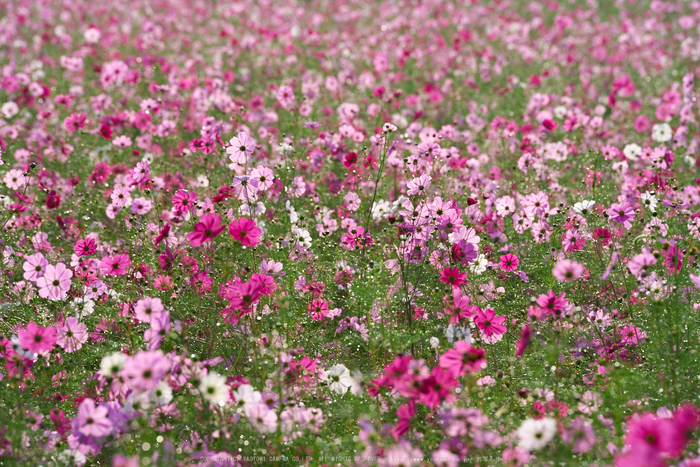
<point x="349" y="232"/>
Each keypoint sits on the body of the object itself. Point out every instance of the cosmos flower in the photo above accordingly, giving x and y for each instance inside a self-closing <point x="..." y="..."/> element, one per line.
<point x="509" y="262"/>
<point x="92" y="420"/>
<point x="245" y="231"/>
<point x="37" y="339"/>
<point x="489" y="323"/>
<point x="145" y="369"/>
<point x="339" y="378"/>
<point x="453" y="277"/>
<point x="116" y="265"/>
<point x="462" y="359"/>
<point x="566" y="270"/>
<point x="72" y="335"/>
<point x="147" y="308"/>
<point x="214" y="389"/>
<point x="208" y="228"/>
<point x="536" y="434"/>
<point x="622" y="214"/>
<point x="35" y="267"/>
<point x="55" y="283"/>
<point x="262" y="417"/>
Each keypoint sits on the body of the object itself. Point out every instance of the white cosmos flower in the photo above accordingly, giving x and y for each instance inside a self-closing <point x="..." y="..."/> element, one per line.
<point x="536" y="434"/>
<point x="560" y="111"/>
<point x="479" y="266"/>
<point x="649" y="200"/>
<point x="661" y="132"/>
<point x="112" y="364"/>
<point x="213" y="388"/>
<point x="339" y="378"/>
<point x="461" y="333"/>
<point x="302" y="236"/>
<point x="72" y="457"/>
<point x="584" y="206"/>
<point x="632" y="151"/>
<point x="83" y="306"/>
<point x="162" y="394"/>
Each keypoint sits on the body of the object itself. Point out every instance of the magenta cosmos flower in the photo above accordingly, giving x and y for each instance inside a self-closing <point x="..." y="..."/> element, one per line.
<point x="453" y="277"/>
<point x="116" y="265"/>
<point x="673" y="259"/>
<point x="72" y="335"/>
<point x="184" y="200"/>
<point x="551" y="304"/>
<point x="34" y="267"/>
<point x="91" y="420"/>
<point x="318" y="309"/>
<point x="489" y="323"/>
<point x="36" y="339"/>
<point x="463" y="358"/>
<point x="245" y="231"/>
<point x="207" y="229"/>
<point x="55" y="283"/>
<point x="509" y="262"/>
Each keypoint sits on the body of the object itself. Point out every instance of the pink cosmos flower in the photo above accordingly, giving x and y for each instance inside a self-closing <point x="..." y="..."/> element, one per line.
<point x="121" y="196"/>
<point x="640" y="262"/>
<point x="141" y="172"/>
<point x="36" y="339"/>
<point x="91" y="420"/>
<point x="145" y="369"/>
<point x="632" y="335"/>
<point x="116" y="265"/>
<point x="148" y="308"/>
<point x="85" y="247"/>
<point x="160" y="326"/>
<point x="206" y="230"/>
<point x="245" y="231"/>
<point x="261" y="417"/>
<point x="622" y="214"/>
<point x="641" y="124"/>
<point x="696" y="280"/>
<point x="509" y="262"/>
<point x="453" y="277"/>
<point x="285" y="96"/>
<point x="35" y="267"/>
<point x="262" y="177"/>
<point x="242" y="146"/>
<point x="489" y="323"/>
<point x="463" y="358"/>
<point x="184" y="200"/>
<point x="418" y="186"/>
<point x="271" y="267"/>
<point x="74" y="121"/>
<point x="72" y="335"/>
<point x="55" y="282"/>
<point x="566" y="270"/>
